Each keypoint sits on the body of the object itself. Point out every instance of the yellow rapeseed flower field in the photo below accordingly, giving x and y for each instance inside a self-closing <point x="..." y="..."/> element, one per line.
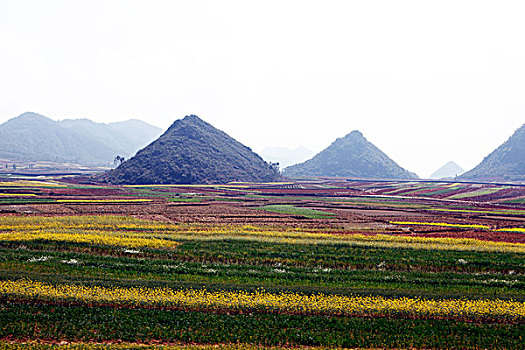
<point x="375" y="240"/>
<point x="27" y="183"/>
<point x="133" y="232"/>
<point x="100" y="230"/>
<point x="265" y="301"/>
<point x="509" y="212"/>
<point x="512" y="229"/>
<point x="100" y="239"/>
<point x="468" y="226"/>
<point x="444" y="224"/>
<point x="18" y="194"/>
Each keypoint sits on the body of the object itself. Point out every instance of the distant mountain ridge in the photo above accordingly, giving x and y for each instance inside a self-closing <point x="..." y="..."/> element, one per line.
<point x="449" y="170"/>
<point x="507" y="162"/>
<point x="192" y="151"/>
<point x="34" y="137"/>
<point x="351" y="156"/>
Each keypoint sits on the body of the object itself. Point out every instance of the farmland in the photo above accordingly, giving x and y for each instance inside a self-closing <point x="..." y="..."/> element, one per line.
<point x="329" y="263"/>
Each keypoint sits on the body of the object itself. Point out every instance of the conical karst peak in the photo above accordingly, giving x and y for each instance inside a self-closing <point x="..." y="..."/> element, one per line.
<point x="193" y="151"/>
<point x="192" y="118"/>
<point x="355" y="134"/>
<point x="192" y="121"/>
<point x="504" y="163"/>
<point x="355" y="137"/>
<point x="351" y="156"/>
<point x="449" y="170"/>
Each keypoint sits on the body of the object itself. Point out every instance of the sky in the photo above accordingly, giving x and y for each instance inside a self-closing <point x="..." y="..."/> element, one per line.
<point x="425" y="81"/>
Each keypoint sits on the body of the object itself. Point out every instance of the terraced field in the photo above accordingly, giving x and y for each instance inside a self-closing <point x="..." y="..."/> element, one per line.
<point x="322" y="264"/>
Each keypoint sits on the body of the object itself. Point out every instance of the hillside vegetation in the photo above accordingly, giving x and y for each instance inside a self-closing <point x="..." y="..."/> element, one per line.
<point x="507" y="162"/>
<point x="351" y="156"/>
<point x="33" y="137"/>
<point x="193" y="151"/>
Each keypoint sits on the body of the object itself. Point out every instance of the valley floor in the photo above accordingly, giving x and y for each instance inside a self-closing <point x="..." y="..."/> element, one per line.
<point x="330" y="263"/>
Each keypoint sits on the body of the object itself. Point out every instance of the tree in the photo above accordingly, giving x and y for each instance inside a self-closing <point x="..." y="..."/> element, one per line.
<point x="119" y="160"/>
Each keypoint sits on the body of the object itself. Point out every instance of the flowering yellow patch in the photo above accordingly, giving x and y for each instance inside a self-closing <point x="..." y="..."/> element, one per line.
<point x="18" y="194"/>
<point x="102" y="230"/>
<point x="506" y="212"/>
<point x="99" y="239"/>
<point x="265" y="301"/>
<point x="475" y="226"/>
<point x="512" y="229"/>
<point x="87" y="222"/>
<point x="120" y="230"/>
<point x="299" y="236"/>
<point x="27" y="183"/>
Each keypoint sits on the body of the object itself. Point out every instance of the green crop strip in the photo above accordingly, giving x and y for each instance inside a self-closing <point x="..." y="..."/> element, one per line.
<point x="442" y="191"/>
<point x="315" y="267"/>
<point x="290" y="209"/>
<point x="518" y="201"/>
<point x="476" y="193"/>
<point x="135" y="346"/>
<point x="26" y="200"/>
<point x="99" y="324"/>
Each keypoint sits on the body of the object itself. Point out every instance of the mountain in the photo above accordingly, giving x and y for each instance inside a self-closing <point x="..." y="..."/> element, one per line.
<point x="507" y="162"/>
<point x="449" y="170"/>
<point x="286" y="156"/>
<point x="123" y="138"/>
<point x="33" y="137"/>
<point x="193" y="151"/>
<point x="351" y="156"/>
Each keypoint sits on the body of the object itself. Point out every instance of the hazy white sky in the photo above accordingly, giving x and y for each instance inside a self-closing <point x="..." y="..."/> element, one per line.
<point x="425" y="81"/>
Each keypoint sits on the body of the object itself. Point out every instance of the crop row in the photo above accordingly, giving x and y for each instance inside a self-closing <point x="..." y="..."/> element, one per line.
<point x="249" y="264"/>
<point x="129" y="346"/>
<point x="337" y="256"/>
<point x="102" y="238"/>
<point x="159" y="234"/>
<point x="101" y="324"/>
<point x="461" y="226"/>
<point x="287" y="302"/>
<point x="477" y="211"/>
<point x="290" y="209"/>
<point x="98" y="230"/>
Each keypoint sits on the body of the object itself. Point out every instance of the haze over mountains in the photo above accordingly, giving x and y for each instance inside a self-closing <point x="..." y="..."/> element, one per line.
<point x="33" y="137"/>
<point x="351" y="156"/>
<point x="193" y="151"/>
<point x="507" y="162"/>
<point x="286" y="156"/>
<point x="449" y="170"/>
